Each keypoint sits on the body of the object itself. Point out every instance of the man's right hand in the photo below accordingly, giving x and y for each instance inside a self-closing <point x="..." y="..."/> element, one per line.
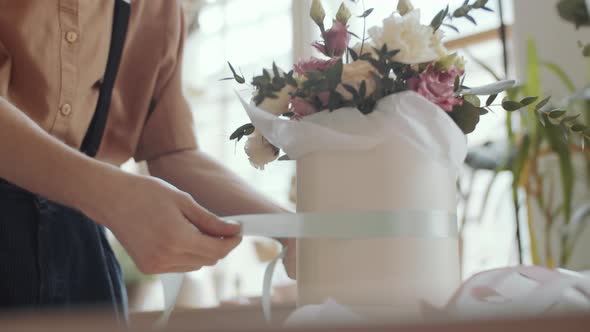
<point x="163" y="229"/>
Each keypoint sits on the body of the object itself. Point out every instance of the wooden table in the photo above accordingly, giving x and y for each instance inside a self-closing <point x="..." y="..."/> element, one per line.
<point x="250" y="319"/>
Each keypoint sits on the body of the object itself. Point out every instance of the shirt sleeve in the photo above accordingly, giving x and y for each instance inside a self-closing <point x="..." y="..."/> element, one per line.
<point x="169" y="127"/>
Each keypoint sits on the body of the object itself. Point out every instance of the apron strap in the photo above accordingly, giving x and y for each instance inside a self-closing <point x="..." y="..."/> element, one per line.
<point x="91" y="142"/>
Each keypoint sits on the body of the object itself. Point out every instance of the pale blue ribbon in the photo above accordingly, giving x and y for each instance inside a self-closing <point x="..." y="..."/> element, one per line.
<point x="330" y="225"/>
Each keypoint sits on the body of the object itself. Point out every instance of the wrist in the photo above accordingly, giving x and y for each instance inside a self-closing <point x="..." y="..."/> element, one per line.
<point x="102" y="188"/>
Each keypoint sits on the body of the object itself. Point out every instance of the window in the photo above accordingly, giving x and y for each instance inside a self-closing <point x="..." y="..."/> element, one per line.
<point x="490" y="242"/>
<point x="249" y="34"/>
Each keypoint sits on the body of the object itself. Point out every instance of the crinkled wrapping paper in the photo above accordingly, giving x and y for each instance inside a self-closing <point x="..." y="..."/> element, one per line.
<point x="405" y="116"/>
<point x="496" y="294"/>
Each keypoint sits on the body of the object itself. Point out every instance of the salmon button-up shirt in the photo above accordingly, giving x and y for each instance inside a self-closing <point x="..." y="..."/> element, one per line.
<point x="53" y="56"/>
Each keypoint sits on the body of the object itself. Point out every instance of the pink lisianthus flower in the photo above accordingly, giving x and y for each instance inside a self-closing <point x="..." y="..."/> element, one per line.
<point x="314" y="64"/>
<point x="335" y="40"/>
<point x="438" y="86"/>
<point x="302" y="107"/>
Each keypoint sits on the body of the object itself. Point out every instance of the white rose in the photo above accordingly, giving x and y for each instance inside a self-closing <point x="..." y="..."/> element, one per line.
<point x="260" y="152"/>
<point x="409" y="36"/>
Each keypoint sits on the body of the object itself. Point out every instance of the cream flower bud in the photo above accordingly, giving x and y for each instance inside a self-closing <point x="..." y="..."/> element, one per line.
<point x="343" y="14"/>
<point x="317" y="12"/>
<point x="404" y="7"/>
<point x="260" y="152"/>
<point x="451" y="60"/>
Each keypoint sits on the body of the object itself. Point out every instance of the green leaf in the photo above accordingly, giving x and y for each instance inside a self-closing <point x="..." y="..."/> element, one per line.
<point x="275" y="70"/>
<point x="470" y="18"/>
<point x="466" y="116"/>
<point x="334" y="75"/>
<point x="560" y="147"/>
<point x="561" y="75"/>
<point x="462" y="11"/>
<point x="542" y="118"/>
<point x="521" y="159"/>
<point x="452" y="27"/>
<point x="353" y="54"/>
<point x="486" y="196"/>
<point x="473" y="100"/>
<point x="533" y="80"/>
<point x="290" y="80"/>
<point x="542" y="104"/>
<point x="351" y="90"/>
<point x="556" y="114"/>
<point x="367" y="13"/>
<point x="491" y="99"/>
<point x="511" y="106"/>
<point x="242" y="131"/>
<point x="577" y="128"/>
<point x="363" y="89"/>
<point x="574" y="12"/>
<point x="438" y="20"/>
<point x="480" y="4"/>
<point x="570" y="118"/>
<point x="490" y="89"/>
<point x="529" y="101"/>
<point x="238" y="78"/>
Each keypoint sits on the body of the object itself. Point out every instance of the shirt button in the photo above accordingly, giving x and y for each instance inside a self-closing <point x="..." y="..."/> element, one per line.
<point x="66" y="109"/>
<point x="71" y="36"/>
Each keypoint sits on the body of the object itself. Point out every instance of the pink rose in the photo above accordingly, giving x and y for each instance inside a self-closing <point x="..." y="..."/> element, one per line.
<point x="335" y="40"/>
<point x="438" y="86"/>
<point x="314" y="64"/>
<point x="302" y="107"/>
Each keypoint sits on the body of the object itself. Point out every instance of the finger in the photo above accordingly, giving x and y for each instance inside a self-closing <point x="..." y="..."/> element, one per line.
<point x="210" y="247"/>
<point x="207" y="222"/>
<point x="190" y="264"/>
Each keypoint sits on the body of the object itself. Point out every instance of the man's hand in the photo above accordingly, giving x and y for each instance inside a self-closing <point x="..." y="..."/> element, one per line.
<point x="163" y="229"/>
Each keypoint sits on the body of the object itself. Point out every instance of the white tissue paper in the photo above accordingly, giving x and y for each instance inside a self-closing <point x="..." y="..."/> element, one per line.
<point x="329" y="313"/>
<point x="405" y="116"/>
<point x="503" y="293"/>
<point x="520" y="292"/>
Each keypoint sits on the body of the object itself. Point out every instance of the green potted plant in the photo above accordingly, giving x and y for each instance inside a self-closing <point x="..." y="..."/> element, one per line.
<point x="550" y="163"/>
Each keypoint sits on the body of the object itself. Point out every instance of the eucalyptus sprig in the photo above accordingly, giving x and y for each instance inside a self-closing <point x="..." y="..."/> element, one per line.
<point x="465" y="11"/>
<point x="548" y="116"/>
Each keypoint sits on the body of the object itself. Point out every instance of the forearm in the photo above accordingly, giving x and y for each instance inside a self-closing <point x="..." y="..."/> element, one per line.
<point x="36" y="161"/>
<point x="211" y="184"/>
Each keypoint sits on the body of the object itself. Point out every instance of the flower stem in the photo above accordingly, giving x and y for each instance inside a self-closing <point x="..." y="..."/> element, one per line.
<point x="364" y="30"/>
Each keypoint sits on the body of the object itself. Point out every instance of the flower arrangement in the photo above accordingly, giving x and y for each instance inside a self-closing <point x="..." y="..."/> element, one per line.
<point x="401" y="54"/>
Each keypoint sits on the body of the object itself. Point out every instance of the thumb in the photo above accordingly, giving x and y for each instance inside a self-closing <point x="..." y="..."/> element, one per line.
<point x="208" y="223"/>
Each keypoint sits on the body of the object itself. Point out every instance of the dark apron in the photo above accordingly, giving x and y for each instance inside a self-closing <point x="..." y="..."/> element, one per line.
<point x="51" y="256"/>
